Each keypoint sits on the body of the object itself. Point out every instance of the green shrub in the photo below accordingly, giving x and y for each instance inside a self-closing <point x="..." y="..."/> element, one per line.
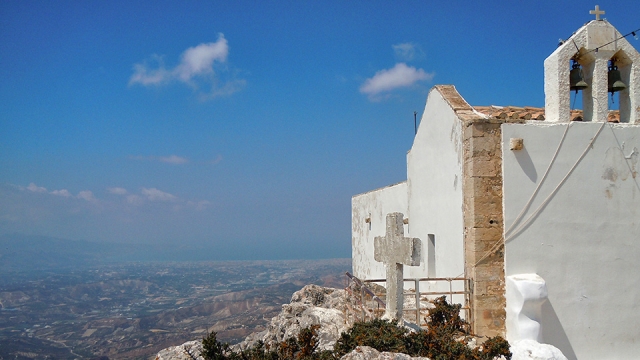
<point x="308" y="341"/>
<point x="444" y="339"/>
<point x="445" y="317"/>
<point x="381" y="335"/>
<point x="257" y="352"/>
<point x="212" y="349"/>
<point x="496" y="346"/>
<point x="302" y="347"/>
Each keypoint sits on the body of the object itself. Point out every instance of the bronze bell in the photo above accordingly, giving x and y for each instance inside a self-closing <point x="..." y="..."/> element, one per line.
<point x="615" y="80"/>
<point x="576" y="81"/>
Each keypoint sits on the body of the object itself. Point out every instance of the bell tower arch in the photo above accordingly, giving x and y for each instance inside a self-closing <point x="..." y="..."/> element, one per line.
<point x="595" y="46"/>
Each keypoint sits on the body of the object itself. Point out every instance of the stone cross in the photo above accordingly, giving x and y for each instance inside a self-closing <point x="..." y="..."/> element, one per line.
<point x="597" y="12"/>
<point x="395" y="251"/>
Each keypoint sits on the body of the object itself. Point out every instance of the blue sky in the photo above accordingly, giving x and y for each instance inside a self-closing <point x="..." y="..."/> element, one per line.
<point x="243" y="127"/>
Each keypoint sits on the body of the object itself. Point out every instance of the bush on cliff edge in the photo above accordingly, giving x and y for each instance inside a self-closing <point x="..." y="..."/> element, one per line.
<point x="444" y="338"/>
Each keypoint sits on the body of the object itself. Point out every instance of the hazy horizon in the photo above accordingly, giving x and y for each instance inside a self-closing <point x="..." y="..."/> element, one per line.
<point x="27" y="253"/>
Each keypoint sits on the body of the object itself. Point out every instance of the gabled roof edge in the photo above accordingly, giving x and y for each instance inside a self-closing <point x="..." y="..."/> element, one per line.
<point x="379" y="189"/>
<point x="458" y="104"/>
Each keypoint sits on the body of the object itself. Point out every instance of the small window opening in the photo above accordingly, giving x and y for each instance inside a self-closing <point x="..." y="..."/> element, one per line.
<point x="431" y="256"/>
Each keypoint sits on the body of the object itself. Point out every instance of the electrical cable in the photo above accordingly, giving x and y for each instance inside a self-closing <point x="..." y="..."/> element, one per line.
<point x="535" y="192"/>
<point x="544" y="203"/>
<point x="612" y="41"/>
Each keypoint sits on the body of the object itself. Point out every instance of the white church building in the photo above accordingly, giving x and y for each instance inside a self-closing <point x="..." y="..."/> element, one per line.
<point x="538" y="208"/>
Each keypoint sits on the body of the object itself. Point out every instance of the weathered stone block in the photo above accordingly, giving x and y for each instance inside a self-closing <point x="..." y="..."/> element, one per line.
<point x="481" y="247"/>
<point x="484" y="144"/>
<point x="486" y="234"/>
<point x="484" y="216"/>
<point x="487" y="270"/>
<point x="485" y="167"/>
<point x="480" y="185"/>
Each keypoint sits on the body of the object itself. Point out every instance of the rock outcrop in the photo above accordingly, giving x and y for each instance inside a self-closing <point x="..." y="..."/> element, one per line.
<point x="369" y="353"/>
<point x="335" y="312"/>
<point x="190" y="350"/>
<point x="331" y="309"/>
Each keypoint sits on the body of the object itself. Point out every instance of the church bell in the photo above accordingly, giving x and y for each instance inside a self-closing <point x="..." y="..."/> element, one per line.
<point x="615" y="80"/>
<point x="576" y="81"/>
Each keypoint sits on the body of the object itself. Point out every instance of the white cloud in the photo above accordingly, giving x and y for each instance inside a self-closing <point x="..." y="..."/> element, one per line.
<point x="173" y="159"/>
<point x="140" y="157"/>
<point x="145" y="76"/>
<point x="199" y="59"/>
<point x="154" y="194"/>
<point x="63" y="192"/>
<point x="407" y="51"/>
<point x="399" y="76"/>
<point x="134" y="200"/>
<point x="197" y="68"/>
<point x="199" y="205"/>
<point x="35" y="188"/>
<point x="216" y="161"/>
<point x="117" y="190"/>
<point x="228" y="88"/>
<point x="86" y="195"/>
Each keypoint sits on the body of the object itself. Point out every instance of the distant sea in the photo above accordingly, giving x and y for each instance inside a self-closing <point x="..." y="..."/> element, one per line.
<point x="20" y="252"/>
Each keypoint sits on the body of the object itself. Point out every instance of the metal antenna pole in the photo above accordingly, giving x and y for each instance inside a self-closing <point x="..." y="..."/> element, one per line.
<point x="415" y="123"/>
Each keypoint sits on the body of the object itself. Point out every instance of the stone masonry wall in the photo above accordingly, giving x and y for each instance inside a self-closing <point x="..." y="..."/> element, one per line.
<point x="484" y="225"/>
<point x="482" y="214"/>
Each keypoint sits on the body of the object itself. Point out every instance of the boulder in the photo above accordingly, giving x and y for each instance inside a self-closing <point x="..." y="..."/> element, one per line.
<point x="188" y="351"/>
<point x="329" y="308"/>
<point x="533" y="350"/>
<point x="369" y="353"/>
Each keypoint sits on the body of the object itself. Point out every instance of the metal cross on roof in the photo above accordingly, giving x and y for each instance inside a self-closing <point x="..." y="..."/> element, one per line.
<point x="597" y="12"/>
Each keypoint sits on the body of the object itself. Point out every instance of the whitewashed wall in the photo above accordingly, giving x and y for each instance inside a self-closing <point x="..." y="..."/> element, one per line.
<point x="375" y="205"/>
<point x="585" y="243"/>
<point x="434" y="183"/>
<point x="431" y="199"/>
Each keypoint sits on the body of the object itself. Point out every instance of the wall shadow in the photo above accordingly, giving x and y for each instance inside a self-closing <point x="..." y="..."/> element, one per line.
<point x="524" y="159"/>
<point x="553" y="333"/>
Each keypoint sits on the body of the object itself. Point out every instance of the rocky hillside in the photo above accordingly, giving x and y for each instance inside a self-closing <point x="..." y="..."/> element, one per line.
<point x="335" y="311"/>
<point x="332" y="309"/>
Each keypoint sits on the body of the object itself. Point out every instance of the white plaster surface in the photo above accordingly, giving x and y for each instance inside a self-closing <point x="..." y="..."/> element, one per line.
<point x="373" y="205"/>
<point x="434" y="170"/>
<point x="431" y="199"/>
<point x="525" y="295"/>
<point x="532" y="350"/>
<point x="585" y="242"/>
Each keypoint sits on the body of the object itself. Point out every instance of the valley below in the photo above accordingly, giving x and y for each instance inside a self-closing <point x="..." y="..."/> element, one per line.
<point x="132" y="310"/>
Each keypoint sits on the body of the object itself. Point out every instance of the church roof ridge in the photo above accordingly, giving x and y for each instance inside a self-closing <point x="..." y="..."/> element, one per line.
<point x="453" y="97"/>
<point x="532" y="113"/>
<point x="380" y="188"/>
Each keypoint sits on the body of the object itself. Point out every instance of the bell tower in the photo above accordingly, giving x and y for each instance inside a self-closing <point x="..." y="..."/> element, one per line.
<point x="604" y="56"/>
